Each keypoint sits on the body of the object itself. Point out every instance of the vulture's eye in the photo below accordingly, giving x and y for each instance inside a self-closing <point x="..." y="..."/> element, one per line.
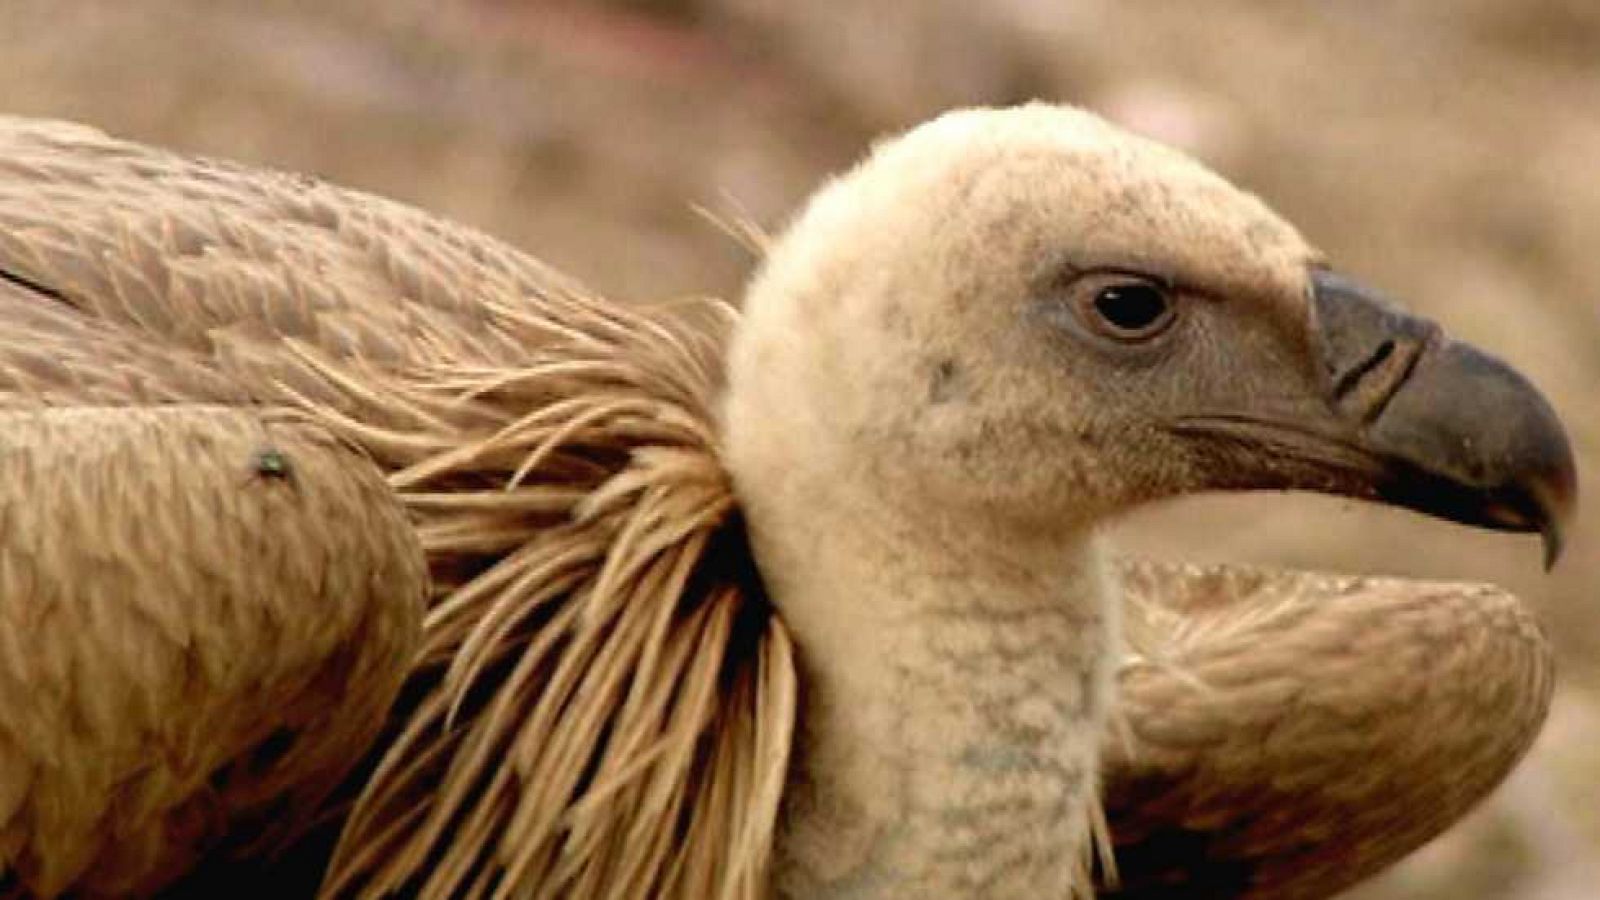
<point x="1127" y="309"/>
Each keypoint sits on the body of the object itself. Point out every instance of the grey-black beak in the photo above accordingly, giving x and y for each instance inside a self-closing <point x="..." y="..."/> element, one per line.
<point x="1462" y="435"/>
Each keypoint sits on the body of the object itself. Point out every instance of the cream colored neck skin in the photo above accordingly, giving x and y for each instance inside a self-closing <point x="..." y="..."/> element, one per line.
<point x="955" y="679"/>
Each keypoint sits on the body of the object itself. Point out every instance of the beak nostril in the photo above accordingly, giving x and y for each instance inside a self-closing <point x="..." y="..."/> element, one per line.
<point x="1344" y="383"/>
<point x="1365" y="390"/>
<point x="1369" y="346"/>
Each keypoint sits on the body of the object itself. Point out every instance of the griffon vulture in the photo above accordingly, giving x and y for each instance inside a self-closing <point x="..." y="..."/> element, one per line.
<point x="804" y="600"/>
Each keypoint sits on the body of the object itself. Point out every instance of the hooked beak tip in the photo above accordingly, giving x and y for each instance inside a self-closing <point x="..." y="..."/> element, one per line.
<point x="1542" y="503"/>
<point x="1555" y="501"/>
<point x="1552" y="544"/>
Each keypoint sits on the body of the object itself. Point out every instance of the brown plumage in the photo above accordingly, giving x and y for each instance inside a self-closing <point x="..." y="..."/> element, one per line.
<point x="1287" y="734"/>
<point x="604" y="697"/>
<point x="160" y="697"/>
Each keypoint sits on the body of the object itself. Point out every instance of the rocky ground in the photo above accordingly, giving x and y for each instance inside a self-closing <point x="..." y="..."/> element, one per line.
<point x="1445" y="151"/>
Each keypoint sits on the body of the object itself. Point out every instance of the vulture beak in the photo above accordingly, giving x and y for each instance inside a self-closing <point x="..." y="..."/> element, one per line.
<point x="1455" y="432"/>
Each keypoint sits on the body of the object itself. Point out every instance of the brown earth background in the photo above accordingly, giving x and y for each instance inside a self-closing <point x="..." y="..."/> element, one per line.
<point x="1447" y="151"/>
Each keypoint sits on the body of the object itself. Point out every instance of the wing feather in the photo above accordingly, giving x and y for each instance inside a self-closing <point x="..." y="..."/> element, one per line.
<point x="190" y="645"/>
<point x="1286" y="734"/>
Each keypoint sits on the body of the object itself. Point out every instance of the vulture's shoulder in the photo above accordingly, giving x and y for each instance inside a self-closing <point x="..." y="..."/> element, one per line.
<point x="196" y="253"/>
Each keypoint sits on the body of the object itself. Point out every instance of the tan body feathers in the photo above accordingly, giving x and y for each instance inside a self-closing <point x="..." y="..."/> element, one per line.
<point x="902" y="685"/>
<point x="1287" y="734"/>
<point x="160" y="698"/>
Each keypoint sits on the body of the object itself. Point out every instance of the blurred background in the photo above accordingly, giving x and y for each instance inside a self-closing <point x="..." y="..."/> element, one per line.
<point x="1449" y="152"/>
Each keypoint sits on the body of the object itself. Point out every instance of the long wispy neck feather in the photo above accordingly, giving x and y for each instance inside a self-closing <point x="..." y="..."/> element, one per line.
<point x="604" y="703"/>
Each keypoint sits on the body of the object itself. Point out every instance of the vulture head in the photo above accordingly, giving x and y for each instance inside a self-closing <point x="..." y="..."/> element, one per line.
<point x="1031" y="317"/>
<point x="994" y="334"/>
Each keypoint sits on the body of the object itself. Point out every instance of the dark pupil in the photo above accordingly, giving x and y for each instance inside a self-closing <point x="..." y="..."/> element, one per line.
<point x="1131" y="307"/>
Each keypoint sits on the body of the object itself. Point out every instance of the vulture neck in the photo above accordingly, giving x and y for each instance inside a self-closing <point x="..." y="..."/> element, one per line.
<point x="955" y="677"/>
